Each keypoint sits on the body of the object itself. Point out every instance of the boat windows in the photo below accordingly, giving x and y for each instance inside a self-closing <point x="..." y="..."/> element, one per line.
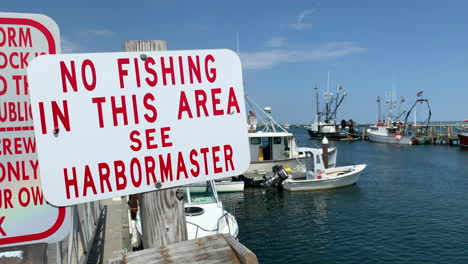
<point x="199" y="193"/>
<point x="286" y="144"/>
<point x="317" y="159"/>
<point x="276" y="140"/>
<point x="255" y="141"/>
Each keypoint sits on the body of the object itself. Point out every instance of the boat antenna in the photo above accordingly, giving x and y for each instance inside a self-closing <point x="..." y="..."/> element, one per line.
<point x="317" y="117"/>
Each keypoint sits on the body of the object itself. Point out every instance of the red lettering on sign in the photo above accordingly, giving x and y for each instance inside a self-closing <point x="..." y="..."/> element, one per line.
<point x="146" y="102"/>
<point x="137" y="72"/>
<point x="70" y="182"/>
<point x="181" y="166"/>
<point x="210" y="72"/>
<point x="150" y="167"/>
<point x="104" y="173"/>
<point x="122" y="110"/>
<point x="4" y="84"/>
<point x="165" y="136"/>
<point x="228" y="157"/>
<point x="168" y="70"/>
<point x="88" y="182"/>
<point x="216" y="101"/>
<point x="200" y="102"/>
<point x="135" y="181"/>
<point x="88" y="64"/>
<point x="98" y="101"/>
<point x="165" y="168"/>
<point x="9" y="37"/>
<point x="5" y="199"/>
<point x="68" y="76"/>
<point x="214" y="152"/>
<point x="122" y="71"/>
<point x="150" y="61"/>
<point x="184" y="106"/>
<point x="181" y="71"/>
<point x="232" y="102"/>
<point x="193" y="154"/>
<point x="134" y="138"/>
<point x="120" y="178"/>
<point x="2" y="232"/>
<point x="204" y="151"/>
<point x="194" y="69"/>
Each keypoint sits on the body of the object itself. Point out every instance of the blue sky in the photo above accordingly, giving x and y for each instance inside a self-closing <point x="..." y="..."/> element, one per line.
<point x="288" y="47"/>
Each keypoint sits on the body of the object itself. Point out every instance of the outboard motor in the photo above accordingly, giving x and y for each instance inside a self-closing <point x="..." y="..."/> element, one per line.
<point x="279" y="175"/>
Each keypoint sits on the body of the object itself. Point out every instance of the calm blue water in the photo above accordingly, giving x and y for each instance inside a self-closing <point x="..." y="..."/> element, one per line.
<point x="409" y="206"/>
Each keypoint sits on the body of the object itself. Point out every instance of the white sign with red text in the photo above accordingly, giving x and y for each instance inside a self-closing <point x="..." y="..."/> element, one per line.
<point x="25" y="216"/>
<point x="114" y="124"/>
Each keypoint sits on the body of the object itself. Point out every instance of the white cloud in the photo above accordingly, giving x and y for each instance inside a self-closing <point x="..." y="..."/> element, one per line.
<point x="69" y="46"/>
<point x="300" y="25"/>
<point x="275" y="42"/>
<point x="269" y="58"/>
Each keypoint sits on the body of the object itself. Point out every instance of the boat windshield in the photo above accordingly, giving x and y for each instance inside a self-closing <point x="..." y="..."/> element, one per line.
<point x="199" y="193"/>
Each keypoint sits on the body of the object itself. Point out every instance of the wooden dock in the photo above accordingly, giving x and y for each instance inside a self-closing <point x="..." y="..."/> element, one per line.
<point x="219" y="248"/>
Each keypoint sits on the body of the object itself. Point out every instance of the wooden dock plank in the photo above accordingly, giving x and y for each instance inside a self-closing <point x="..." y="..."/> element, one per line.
<point x="211" y="249"/>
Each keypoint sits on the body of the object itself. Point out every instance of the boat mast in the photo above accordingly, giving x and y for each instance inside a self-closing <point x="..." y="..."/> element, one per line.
<point x="378" y="105"/>
<point x="317" y="116"/>
<point x="327" y="99"/>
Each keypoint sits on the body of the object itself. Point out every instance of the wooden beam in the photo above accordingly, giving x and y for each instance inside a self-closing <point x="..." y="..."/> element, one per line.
<point x="161" y="213"/>
<point x="209" y="249"/>
<point x="242" y="252"/>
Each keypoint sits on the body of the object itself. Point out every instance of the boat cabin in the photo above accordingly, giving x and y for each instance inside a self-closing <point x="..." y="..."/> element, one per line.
<point x="266" y="146"/>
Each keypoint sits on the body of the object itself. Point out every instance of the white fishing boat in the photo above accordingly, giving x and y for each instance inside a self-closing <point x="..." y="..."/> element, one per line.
<point x="274" y="145"/>
<point x="204" y="212"/>
<point x="385" y="133"/>
<point x="325" y="124"/>
<point x="318" y="178"/>
<point x="397" y="132"/>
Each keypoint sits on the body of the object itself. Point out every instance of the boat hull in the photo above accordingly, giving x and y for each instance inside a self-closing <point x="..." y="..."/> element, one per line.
<point x="229" y="186"/>
<point x="405" y="140"/>
<point x="463" y="138"/>
<point x="258" y="169"/>
<point x="328" y="135"/>
<point x="324" y="184"/>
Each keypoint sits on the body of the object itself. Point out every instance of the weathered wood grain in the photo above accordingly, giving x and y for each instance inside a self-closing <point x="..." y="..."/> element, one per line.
<point x="210" y="249"/>
<point x="242" y="252"/>
<point x="162" y="214"/>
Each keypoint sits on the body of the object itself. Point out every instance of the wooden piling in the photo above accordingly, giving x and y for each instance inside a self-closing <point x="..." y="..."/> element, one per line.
<point x="325" y="152"/>
<point x="161" y="212"/>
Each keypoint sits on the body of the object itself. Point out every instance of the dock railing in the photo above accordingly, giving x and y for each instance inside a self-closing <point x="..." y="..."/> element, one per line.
<point x="75" y="248"/>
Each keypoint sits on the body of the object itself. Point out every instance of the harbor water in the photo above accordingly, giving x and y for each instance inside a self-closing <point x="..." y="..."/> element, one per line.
<point x="409" y="206"/>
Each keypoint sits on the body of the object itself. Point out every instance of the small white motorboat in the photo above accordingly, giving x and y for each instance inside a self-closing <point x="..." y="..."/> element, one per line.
<point x="318" y="178"/>
<point x="204" y="212"/>
<point x="228" y="185"/>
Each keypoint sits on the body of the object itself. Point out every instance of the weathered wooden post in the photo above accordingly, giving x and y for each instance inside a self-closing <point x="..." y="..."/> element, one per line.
<point x="325" y="152"/>
<point x="161" y="212"/>
<point x="449" y="135"/>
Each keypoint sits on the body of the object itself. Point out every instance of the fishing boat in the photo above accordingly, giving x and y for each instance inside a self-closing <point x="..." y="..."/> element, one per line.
<point x="204" y="212"/>
<point x="325" y="124"/>
<point x="462" y="132"/>
<point x="394" y="131"/>
<point x="317" y="177"/>
<point x="273" y="145"/>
